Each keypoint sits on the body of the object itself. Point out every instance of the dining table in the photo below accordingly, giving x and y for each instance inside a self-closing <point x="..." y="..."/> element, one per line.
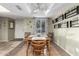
<point x="31" y="37"/>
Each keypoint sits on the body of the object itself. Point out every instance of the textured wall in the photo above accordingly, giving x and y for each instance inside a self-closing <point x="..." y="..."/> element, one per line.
<point x="29" y="25"/>
<point x="24" y="25"/>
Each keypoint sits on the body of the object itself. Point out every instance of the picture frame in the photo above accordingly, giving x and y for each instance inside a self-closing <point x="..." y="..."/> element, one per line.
<point x="65" y="25"/>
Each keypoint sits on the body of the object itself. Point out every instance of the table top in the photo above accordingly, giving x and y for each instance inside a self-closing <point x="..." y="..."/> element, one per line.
<point x="38" y="38"/>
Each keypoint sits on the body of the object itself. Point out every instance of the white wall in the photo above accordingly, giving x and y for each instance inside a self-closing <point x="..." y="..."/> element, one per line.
<point x="0" y="29"/>
<point x="19" y="28"/>
<point x="3" y="29"/>
<point x="68" y="38"/>
<point x="29" y="25"/>
<point x="24" y="25"/>
<point x="5" y="32"/>
<point x="50" y="25"/>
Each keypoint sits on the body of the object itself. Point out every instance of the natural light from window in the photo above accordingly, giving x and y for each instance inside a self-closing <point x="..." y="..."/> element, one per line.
<point x="3" y="9"/>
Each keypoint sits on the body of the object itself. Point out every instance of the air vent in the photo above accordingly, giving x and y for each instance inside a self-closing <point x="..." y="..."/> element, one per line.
<point x="18" y="7"/>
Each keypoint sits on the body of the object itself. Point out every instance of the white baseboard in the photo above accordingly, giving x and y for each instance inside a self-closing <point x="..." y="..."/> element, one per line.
<point x="3" y="40"/>
<point x="64" y="49"/>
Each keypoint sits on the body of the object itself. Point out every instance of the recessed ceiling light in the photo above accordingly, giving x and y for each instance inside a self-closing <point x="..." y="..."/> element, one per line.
<point x="3" y="9"/>
<point x="36" y="10"/>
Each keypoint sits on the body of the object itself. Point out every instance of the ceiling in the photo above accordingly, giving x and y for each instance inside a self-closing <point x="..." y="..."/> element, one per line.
<point x="23" y="10"/>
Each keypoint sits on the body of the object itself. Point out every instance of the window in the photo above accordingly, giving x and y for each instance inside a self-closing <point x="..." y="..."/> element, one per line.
<point x="56" y="26"/>
<point x="61" y="17"/>
<point x="41" y="25"/>
<point x="56" y="20"/>
<point x="59" y="25"/>
<point x="64" y="25"/>
<point x="74" y="23"/>
<point x="72" y="12"/>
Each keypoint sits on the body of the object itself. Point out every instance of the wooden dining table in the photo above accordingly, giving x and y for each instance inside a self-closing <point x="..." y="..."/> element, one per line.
<point x="38" y="38"/>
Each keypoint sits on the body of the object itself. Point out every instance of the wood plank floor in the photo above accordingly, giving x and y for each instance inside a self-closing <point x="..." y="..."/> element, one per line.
<point x="55" y="51"/>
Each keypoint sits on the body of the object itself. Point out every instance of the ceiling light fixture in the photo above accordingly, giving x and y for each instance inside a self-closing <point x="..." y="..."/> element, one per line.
<point x="3" y="9"/>
<point x="18" y="7"/>
<point x="49" y="9"/>
<point x="36" y="8"/>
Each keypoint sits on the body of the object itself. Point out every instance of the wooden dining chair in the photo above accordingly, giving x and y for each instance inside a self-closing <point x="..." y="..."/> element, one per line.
<point x="48" y="44"/>
<point x="38" y="47"/>
<point x="26" y="35"/>
<point x="26" y="41"/>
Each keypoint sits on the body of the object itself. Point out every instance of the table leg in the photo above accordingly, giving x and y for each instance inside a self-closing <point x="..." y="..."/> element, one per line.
<point x="28" y="44"/>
